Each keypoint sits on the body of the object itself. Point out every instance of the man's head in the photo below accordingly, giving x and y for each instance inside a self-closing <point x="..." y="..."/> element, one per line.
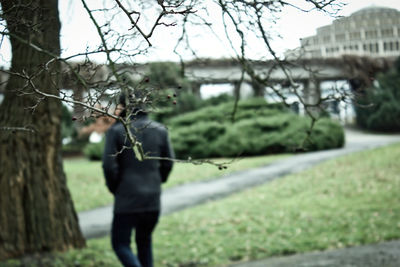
<point x="129" y="105"/>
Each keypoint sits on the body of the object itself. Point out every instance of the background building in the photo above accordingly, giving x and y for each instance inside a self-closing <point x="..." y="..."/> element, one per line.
<point x="372" y="31"/>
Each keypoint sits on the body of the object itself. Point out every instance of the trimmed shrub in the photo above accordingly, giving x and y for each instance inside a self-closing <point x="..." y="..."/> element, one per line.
<point x="325" y="135"/>
<point x="195" y="140"/>
<point x="94" y="151"/>
<point x="223" y="112"/>
<point x="260" y="128"/>
<point x="75" y="148"/>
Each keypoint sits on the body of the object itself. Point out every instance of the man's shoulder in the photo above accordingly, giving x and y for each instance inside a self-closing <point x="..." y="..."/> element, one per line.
<point x="146" y="123"/>
<point x="158" y="125"/>
<point x="149" y="123"/>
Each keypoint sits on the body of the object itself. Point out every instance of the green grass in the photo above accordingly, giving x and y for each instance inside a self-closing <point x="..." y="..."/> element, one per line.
<point x="86" y="182"/>
<point x="345" y="202"/>
<point x="349" y="201"/>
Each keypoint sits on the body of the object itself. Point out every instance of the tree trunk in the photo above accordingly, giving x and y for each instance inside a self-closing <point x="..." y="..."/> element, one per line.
<point x="36" y="209"/>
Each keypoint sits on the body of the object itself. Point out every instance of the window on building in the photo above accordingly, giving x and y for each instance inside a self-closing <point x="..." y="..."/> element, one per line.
<point x="386" y="21"/>
<point x="365" y="47"/>
<point x="371" y="34"/>
<point x="373" y="47"/>
<point x="340" y="37"/>
<point x="326" y="38"/>
<point x="387" y="32"/>
<point x="355" y="36"/>
<point x="397" y="46"/>
<point x="370" y="22"/>
<point x="316" y="53"/>
<point x="329" y="50"/>
<point x="385" y="46"/>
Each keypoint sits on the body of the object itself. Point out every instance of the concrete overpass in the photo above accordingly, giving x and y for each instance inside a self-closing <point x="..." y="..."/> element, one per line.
<point x="310" y="73"/>
<point x="222" y="71"/>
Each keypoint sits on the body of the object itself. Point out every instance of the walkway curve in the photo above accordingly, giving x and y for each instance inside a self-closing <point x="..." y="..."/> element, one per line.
<point x="97" y="222"/>
<point x="385" y="254"/>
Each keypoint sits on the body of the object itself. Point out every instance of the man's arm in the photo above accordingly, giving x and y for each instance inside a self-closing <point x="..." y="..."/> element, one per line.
<point x="110" y="163"/>
<point x="166" y="152"/>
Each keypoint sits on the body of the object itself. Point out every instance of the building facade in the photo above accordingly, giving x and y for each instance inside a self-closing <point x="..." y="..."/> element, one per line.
<point x="372" y="31"/>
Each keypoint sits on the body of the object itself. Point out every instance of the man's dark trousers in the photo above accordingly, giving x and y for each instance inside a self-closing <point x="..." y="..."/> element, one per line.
<point x="121" y="231"/>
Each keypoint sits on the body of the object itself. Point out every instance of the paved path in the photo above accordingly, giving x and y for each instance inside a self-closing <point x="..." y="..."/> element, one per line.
<point x="96" y="223"/>
<point x="386" y="254"/>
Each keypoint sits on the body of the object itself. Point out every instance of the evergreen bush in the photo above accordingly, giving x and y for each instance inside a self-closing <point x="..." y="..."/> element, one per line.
<point x="94" y="151"/>
<point x="260" y="128"/>
<point x="379" y="108"/>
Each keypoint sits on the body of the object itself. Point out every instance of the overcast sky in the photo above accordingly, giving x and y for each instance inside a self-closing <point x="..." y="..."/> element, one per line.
<point x="77" y="31"/>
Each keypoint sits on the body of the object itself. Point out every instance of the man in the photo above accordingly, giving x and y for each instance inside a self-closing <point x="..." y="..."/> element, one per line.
<point x="136" y="185"/>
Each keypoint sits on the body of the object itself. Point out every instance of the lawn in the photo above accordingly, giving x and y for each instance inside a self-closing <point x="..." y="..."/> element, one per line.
<point x="348" y="201"/>
<point x="86" y="183"/>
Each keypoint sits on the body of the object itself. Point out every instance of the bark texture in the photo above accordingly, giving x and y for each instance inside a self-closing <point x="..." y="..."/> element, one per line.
<point x="36" y="210"/>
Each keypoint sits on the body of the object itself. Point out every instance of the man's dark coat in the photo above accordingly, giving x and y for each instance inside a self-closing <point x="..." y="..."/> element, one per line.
<point x="135" y="184"/>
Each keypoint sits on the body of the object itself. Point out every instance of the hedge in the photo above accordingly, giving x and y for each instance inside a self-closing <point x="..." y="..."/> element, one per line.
<point x="259" y="128"/>
<point x="94" y="151"/>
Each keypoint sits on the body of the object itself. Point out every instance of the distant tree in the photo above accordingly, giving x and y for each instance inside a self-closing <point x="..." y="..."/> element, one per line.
<point x="167" y="75"/>
<point x="378" y="108"/>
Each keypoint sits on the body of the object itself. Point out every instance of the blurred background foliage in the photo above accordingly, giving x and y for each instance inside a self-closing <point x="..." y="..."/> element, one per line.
<point x="378" y="108"/>
<point x="204" y="128"/>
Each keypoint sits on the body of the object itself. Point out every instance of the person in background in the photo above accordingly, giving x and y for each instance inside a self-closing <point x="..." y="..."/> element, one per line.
<point x="136" y="185"/>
